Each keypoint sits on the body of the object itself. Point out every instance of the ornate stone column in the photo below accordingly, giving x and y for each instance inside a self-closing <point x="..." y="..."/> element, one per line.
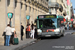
<point x="31" y="14"/>
<point x="27" y="9"/>
<point x="37" y="12"/>
<point x="3" y="19"/>
<point x="18" y="18"/>
<point x="28" y="12"/>
<point x="11" y="10"/>
<point x="34" y="15"/>
<point x="23" y="16"/>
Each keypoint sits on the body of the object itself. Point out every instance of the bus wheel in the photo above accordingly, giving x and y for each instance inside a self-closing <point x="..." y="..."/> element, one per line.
<point x="62" y="35"/>
<point x="59" y="36"/>
<point x="38" y="37"/>
<point x="42" y="38"/>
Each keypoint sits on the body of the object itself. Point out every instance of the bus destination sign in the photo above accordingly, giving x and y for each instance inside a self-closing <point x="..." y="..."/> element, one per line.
<point x="47" y="16"/>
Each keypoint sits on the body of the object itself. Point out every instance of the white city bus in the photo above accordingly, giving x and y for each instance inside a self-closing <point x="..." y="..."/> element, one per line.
<point x="50" y="25"/>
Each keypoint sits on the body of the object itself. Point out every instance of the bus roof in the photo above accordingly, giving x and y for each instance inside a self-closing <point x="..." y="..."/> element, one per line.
<point x="58" y="16"/>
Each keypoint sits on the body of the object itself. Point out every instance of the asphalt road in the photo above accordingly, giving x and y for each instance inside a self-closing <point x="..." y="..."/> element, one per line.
<point x="64" y="43"/>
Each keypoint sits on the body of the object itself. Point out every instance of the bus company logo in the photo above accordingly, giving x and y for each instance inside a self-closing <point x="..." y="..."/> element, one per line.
<point x="41" y="16"/>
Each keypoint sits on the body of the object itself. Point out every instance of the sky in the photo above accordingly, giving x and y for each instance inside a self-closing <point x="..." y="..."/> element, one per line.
<point x="73" y="4"/>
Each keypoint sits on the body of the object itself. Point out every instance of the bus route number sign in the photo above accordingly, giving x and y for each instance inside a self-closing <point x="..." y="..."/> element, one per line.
<point x="41" y="16"/>
<point x="47" y="16"/>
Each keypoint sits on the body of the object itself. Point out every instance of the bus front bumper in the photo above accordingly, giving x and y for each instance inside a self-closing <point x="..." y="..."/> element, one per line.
<point x="49" y="34"/>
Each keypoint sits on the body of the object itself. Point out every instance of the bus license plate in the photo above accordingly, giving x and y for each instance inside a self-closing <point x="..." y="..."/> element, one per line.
<point x="47" y="35"/>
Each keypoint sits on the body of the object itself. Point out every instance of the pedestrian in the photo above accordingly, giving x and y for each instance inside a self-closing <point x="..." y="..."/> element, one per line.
<point x="12" y="36"/>
<point x="28" y="31"/>
<point x="32" y="31"/>
<point x="65" y="26"/>
<point x="70" y="26"/>
<point x="73" y="26"/>
<point x="4" y="34"/>
<point x="32" y="24"/>
<point x="35" y="34"/>
<point x="8" y="31"/>
<point x="22" y="33"/>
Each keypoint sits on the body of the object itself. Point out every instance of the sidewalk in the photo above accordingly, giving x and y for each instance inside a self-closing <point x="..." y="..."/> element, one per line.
<point x="14" y="47"/>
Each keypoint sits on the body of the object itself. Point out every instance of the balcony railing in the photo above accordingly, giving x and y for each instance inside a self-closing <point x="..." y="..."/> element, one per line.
<point x="61" y="8"/>
<point x="37" y="4"/>
<point x="28" y="0"/>
<point x="53" y="4"/>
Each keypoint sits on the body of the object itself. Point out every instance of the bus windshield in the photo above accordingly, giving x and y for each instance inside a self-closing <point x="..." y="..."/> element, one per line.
<point x="47" y="23"/>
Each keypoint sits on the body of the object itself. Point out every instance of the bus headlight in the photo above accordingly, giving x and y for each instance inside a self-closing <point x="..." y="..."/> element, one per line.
<point x="57" y="30"/>
<point x="39" y="31"/>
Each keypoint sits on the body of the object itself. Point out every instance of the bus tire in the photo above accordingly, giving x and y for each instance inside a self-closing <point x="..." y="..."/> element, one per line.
<point x="59" y="36"/>
<point x="38" y="37"/>
<point x="62" y="35"/>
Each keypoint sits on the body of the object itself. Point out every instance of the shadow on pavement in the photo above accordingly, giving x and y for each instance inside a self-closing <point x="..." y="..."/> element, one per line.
<point x="46" y="38"/>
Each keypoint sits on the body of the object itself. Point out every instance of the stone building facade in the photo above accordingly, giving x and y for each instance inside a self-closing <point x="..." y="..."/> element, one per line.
<point x="20" y="9"/>
<point x="60" y="7"/>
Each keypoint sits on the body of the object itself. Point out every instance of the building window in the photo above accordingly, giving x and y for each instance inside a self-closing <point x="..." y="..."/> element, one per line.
<point x="25" y="0"/>
<point x="25" y="7"/>
<point x="41" y="0"/>
<point x="36" y="11"/>
<point x="8" y="2"/>
<point x="21" y="5"/>
<point x="15" y="3"/>
<point x="62" y="1"/>
<point x="45" y="3"/>
<point x="52" y="8"/>
<point x="32" y="0"/>
<point x="47" y="0"/>
<point x="33" y="9"/>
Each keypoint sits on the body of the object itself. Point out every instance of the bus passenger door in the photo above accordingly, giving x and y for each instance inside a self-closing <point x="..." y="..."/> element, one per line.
<point x="62" y="25"/>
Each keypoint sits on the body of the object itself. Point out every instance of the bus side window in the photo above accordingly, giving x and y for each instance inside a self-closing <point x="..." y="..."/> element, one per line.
<point x="58" y="23"/>
<point x="41" y="23"/>
<point x="62" y="23"/>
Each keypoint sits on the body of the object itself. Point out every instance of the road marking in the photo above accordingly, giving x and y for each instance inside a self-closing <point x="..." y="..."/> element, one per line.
<point x="67" y="33"/>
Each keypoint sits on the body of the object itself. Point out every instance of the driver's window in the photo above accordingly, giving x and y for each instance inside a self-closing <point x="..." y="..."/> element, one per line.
<point x="41" y="23"/>
<point x="60" y="22"/>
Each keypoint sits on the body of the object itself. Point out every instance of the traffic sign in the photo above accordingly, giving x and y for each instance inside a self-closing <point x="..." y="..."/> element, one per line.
<point x="27" y="17"/>
<point x="10" y="15"/>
